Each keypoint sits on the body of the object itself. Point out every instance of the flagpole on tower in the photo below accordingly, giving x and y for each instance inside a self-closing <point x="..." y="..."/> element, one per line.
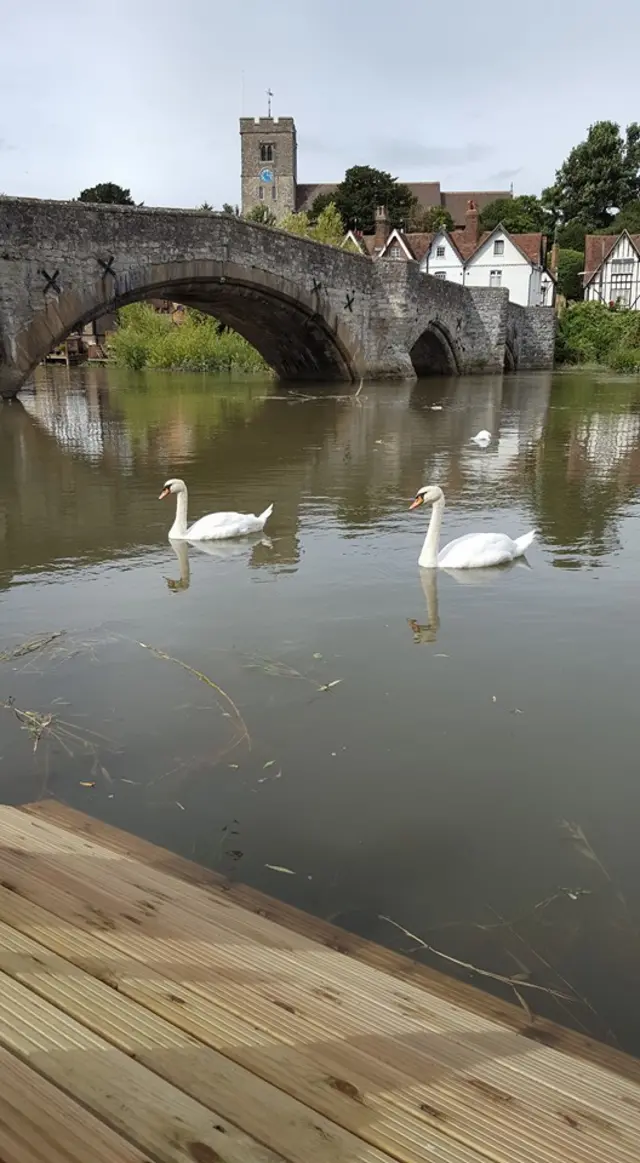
<point x="269" y="96"/>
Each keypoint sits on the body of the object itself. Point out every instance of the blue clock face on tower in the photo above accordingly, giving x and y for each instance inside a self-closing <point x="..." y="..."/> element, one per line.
<point x="266" y="175"/>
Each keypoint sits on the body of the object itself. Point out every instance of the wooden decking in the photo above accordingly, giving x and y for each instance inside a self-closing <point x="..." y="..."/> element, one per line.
<point x="148" y="1011"/>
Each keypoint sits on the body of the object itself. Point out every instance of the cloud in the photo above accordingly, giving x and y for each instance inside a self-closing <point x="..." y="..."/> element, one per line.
<point x="5" y="146"/>
<point x="410" y="154"/>
<point x="505" y="175"/>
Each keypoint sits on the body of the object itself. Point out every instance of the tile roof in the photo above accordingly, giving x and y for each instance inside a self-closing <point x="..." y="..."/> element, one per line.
<point x="419" y="243"/>
<point x="306" y="194"/>
<point x="597" y="248"/>
<point x="456" y="201"/>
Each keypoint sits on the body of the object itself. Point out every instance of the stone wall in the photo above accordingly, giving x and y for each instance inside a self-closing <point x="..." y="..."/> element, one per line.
<point x="313" y="311"/>
<point x="530" y="334"/>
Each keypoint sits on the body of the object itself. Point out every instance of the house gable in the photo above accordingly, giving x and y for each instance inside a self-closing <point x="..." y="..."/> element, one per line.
<point x="394" y="242"/>
<point x="612" y="268"/>
<point x="442" y="255"/>
<point x="500" y="249"/>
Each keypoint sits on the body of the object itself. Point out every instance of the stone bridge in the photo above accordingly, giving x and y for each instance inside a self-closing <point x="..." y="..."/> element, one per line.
<point x="314" y="312"/>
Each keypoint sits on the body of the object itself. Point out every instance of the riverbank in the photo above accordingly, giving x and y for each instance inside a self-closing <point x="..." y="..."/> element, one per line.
<point x="146" y="338"/>
<point x="595" y="334"/>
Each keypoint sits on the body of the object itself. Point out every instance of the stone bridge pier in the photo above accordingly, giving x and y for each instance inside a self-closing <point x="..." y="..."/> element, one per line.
<point x="314" y="312"/>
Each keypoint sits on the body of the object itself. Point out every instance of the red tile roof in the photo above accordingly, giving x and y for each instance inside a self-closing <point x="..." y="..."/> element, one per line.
<point x="418" y="244"/>
<point x="597" y="248"/>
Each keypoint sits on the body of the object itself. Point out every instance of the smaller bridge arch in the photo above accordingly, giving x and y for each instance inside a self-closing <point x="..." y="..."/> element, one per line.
<point x="434" y="352"/>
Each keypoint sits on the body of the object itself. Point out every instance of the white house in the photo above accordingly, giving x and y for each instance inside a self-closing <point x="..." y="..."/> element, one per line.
<point x="612" y="269"/>
<point x="493" y="259"/>
<point x="496" y="259"/>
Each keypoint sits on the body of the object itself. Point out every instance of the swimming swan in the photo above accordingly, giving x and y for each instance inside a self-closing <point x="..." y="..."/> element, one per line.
<point x="474" y="550"/>
<point x="213" y="527"/>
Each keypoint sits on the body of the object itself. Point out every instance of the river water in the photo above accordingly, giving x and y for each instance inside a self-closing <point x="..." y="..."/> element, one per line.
<point x="459" y="753"/>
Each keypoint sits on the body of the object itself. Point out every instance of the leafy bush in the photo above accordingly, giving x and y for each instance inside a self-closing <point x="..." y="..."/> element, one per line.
<point x="146" y="338"/>
<point x="626" y="359"/>
<point x="593" y="333"/>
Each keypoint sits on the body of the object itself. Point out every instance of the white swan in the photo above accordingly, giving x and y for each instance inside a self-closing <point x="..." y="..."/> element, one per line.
<point x="213" y="527"/>
<point x="482" y="439"/>
<point x="474" y="550"/>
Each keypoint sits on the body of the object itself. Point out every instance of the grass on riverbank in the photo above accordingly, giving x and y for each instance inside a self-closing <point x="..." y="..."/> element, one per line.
<point x="146" y="338"/>
<point x="592" y="333"/>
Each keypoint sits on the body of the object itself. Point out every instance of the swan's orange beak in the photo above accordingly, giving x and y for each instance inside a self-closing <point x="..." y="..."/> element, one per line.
<point x="416" y="504"/>
<point x="164" y="493"/>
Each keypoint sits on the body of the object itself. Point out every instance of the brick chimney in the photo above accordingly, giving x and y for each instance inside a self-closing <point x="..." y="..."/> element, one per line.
<point x="383" y="227"/>
<point x="471" y="223"/>
<point x="553" y="265"/>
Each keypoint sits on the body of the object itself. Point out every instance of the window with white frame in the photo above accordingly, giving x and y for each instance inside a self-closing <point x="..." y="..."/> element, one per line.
<point x="395" y="251"/>
<point x="495" y="278"/>
<point x="439" y="251"/>
<point x="622" y="266"/>
<point x="498" y="246"/>
<point x="621" y="287"/>
<point x="440" y="274"/>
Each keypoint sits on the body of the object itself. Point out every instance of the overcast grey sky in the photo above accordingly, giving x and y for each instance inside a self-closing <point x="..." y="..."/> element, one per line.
<point x="147" y="93"/>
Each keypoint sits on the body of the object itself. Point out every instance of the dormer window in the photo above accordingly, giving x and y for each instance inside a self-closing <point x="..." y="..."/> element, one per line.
<point x="266" y="152"/>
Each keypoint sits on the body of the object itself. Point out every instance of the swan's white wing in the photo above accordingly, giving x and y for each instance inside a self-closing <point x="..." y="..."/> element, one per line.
<point x="476" y="550"/>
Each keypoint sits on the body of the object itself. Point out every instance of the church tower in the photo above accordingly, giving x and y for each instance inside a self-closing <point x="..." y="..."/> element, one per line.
<point x="269" y="164"/>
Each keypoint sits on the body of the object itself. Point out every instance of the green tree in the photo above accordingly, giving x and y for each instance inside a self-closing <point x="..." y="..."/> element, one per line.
<point x="205" y="206"/>
<point x="571" y="235"/>
<point x="227" y="208"/>
<point x="431" y="219"/>
<point x="108" y="193"/>
<point x="362" y="190"/>
<point x="522" y="215"/>
<point x="600" y="175"/>
<point x="570" y="268"/>
<point x="296" y="224"/>
<point x="319" y="204"/>
<point x="329" y="226"/>
<point x="627" y="219"/>
<point x="261" y="214"/>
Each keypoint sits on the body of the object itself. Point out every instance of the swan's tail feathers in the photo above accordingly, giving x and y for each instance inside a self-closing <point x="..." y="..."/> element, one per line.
<point x="525" y="541"/>
<point x="264" y="517"/>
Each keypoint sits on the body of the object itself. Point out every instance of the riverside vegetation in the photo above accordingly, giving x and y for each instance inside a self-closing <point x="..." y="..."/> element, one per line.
<point x="146" y="338"/>
<point x="594" y="333"/>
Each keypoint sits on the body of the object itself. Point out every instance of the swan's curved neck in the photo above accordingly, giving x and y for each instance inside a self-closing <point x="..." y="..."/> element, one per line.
<point x="429" y="556"/>
<point x="179" y="527"/>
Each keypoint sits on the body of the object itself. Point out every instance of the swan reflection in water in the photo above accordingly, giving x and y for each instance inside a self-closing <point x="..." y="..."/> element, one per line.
<point x="428" y="631"/>
<point x="220" y="550"/>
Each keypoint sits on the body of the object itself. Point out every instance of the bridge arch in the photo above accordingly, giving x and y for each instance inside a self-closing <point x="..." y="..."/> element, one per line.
<point x="297" y="336"/>
<point x="434" y="352"/>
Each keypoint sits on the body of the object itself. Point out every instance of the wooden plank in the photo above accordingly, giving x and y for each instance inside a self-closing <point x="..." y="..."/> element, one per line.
<point x="395" y="1114"/>
<point x="528" y="1106"/>
<point x="40" y="1124"/>
<point x="434" y="983"/>
<point x="157" y="1117"/>
<point x="267" y="1114"/>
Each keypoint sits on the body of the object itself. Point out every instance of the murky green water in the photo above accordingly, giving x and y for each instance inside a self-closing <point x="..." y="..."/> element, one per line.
<point x="431" y="782"/>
